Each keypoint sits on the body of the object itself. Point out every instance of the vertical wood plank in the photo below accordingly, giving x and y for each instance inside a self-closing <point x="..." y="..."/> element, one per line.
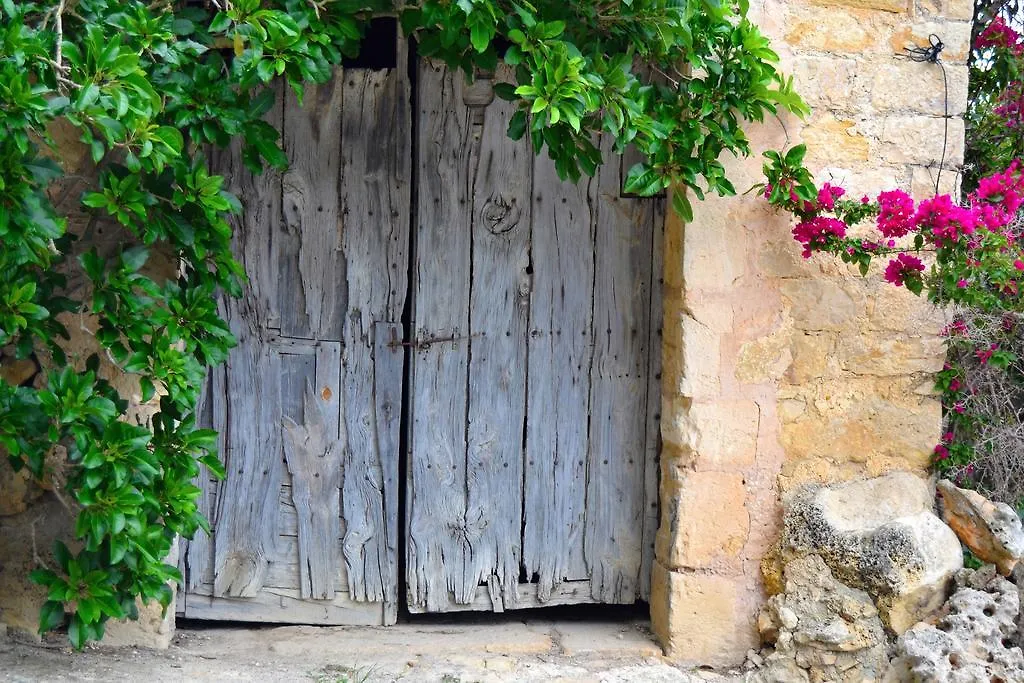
<point x="313" y="451"/>
<point x="212" y="410"/>
<point x="375" y="200"/>
<point x="388" y="373"/>
<point x="312" y="290"/>
<point x="618" y="390"/>
<point x="498" y="319"/>
<point x="558" y="388"/>
<point x="247" y="514"/>
<point x="653" y="457"/>
<point x="440" y="536"/>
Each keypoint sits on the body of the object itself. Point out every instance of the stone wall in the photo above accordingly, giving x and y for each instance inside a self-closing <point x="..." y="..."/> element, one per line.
<point x="33" y="516"/>
<point x="779" y="370"/>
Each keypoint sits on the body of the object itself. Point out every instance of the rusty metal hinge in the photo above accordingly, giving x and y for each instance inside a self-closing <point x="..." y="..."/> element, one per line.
<point x="425" y="343"/>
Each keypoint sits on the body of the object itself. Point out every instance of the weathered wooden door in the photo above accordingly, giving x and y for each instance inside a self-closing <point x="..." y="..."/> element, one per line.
<point x="532" y="474"/>
<point x="524" y="346"/>
<point x="305" y="525"/>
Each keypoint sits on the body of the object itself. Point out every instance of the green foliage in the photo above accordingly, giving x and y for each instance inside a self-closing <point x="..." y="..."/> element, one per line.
<point x="147" y="86"/>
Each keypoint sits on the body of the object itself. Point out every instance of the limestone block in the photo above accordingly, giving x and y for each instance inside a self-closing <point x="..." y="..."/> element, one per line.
<point x="874" y="354"/>
<point x="900" y="85"/>
<point x="829" y="30"/>
<point x="955" y="35"/>
<point x="705" y="520"/>
<point x="697" y="618"/>
<point x="835" y="140"/>
<point x="715" y="247"/>
<point x="972" y="640"/>
<point x="992" y="530"/>
<point x="17" y="489"/>
<point x="825" y="80"/>
<point x="959" y="9"/>
<point x="724" y="434"/>
<point x="819" y="304"/>
<point x="25" y="543"/>
<point x="918" y="140"/>
<point x="700" y="357"/>
<point x="885" y="5"/>
<point x="825" y="628"/>
<point x="812" y="352"/>
<point x="767" y="358"/>
<point x="922" y="183"/>
<point x="864" y="418"/>
<point x="879" y="535"/>
<point x="154" y="627"/>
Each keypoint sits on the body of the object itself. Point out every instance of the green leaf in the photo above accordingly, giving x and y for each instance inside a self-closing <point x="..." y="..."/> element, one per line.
<point x="681" y="205"/>
<point x="51" y="616"/>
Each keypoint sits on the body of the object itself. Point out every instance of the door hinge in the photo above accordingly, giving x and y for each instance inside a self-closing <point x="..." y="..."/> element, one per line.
<point x="427" y="342"/>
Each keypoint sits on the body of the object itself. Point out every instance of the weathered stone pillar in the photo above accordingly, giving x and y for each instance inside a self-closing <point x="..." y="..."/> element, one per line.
<point x="778" y="370"/>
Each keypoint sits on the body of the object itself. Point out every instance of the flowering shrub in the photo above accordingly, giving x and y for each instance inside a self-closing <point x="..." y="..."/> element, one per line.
<point x="976" y="252"/>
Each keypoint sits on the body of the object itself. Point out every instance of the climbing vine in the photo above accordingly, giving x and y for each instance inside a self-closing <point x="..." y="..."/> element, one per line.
<point x="147" y="88"/>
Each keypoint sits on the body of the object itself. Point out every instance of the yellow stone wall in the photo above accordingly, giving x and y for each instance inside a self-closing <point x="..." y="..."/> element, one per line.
<point x="780" y="370"/>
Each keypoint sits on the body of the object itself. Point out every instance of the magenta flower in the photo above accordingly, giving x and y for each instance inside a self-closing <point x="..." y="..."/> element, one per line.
<point x="902" y="268"/>
<point x="896" y="218"/>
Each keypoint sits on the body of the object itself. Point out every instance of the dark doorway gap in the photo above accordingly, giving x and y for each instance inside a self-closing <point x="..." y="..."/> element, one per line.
<point x="378" y="48"/>
<point x="409" y="332"/>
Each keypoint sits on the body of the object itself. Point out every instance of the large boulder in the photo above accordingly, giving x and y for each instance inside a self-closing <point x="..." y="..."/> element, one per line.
<point x="879" y="535"/>
<point x="991" y="530"/>
<point x="820" y="630"/>
<point x="973" y="638"/>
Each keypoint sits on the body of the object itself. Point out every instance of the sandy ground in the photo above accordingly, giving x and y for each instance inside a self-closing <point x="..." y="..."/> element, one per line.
<point x="457" y="652"/>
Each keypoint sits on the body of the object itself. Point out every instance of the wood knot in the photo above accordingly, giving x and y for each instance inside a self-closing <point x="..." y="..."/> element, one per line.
<point x="500" y="214"/>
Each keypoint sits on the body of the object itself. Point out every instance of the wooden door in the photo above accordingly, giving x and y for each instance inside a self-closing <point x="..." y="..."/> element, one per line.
<point x="308" y="406"/>
<point x="532" y="478"/>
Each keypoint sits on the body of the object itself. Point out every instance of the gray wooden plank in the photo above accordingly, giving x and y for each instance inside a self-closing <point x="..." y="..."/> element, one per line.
<point x="498" y="322"/>
<point x="375" y="199"/>
<point x="440" y="538"/>
<point x="282" y="606"/>
<point x="652" y="460"/>
<point x="618" y="390"/>
<point x="558" y="387"/>
<point x="312" y="293"/>
<point x="566" y="593"/>
<point x="388" y="372"/>
<point x="252" y="455"/>
<point x="198" y="552"/>
<point x="313" y="453"/>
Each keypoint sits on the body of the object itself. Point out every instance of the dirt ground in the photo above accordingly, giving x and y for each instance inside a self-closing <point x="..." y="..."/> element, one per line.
<point x="456" y="652"/>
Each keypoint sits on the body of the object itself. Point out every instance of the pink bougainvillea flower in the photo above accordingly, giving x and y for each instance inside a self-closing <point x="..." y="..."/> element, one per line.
<point x="828" y="195"/>
<point x="945" y="221"/>
<point x="961" y="283"/>
<point x="903" y="267"/>
<point x="817" y="232"/>
<point x="999" y="34"/>
<point x="941" y="452"/>
<point x="955" y="385"/>
<point x="984" y="355"/>
<point x="958" y="407"/>
<point x="896" y="217"/>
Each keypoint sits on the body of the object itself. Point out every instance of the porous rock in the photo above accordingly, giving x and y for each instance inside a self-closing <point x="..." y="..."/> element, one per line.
<point x="820" y="630"/>
<point x="972" y="639"/>
<point x="879" y="535"/>
<point x="992" y="530"/>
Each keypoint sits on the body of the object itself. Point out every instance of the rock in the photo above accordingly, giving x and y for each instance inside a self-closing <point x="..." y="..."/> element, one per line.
<point x="973" y="638"/>
<point x="991" y="530"/>
<point x="879" y="535"/>
<point x="829" y="631"/>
